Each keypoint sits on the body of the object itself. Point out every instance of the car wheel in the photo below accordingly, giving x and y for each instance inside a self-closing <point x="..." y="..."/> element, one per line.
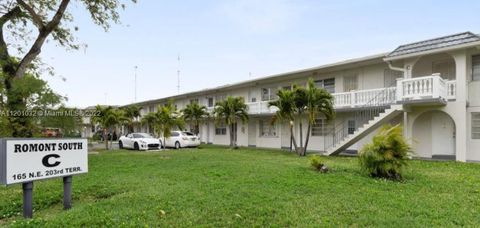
<point x="177" y="145"/>
<point x="135" y="146"/>
<point x="120" y="145"/>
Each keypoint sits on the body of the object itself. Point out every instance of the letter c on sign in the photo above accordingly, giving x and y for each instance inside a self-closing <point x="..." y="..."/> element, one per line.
<point x="46" y="160"/>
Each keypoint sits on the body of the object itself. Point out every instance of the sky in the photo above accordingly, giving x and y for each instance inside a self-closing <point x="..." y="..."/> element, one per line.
<point x="223" y="42"/>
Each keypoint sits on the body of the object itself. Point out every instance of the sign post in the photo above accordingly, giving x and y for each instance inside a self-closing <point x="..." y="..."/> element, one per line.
<point x="67" y="192"/>
<point x="27" y="199"/>
<point x="27" y="160"/>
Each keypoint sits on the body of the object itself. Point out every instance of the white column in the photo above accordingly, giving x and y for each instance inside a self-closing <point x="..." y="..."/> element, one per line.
<point x="460" y="111"/>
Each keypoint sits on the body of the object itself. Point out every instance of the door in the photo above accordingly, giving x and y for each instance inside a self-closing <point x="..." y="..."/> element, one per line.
<point x="128" y="142"/>
<point x="443" y="134"/>
<point x="252" y="133"/>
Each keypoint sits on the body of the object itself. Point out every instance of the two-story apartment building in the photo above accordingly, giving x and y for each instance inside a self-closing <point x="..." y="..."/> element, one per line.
<point x="432" y="87"/>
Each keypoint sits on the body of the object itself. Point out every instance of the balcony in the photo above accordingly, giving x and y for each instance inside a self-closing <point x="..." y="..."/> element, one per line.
<point x="260" y="108"/>
<point x="427" y="90"/>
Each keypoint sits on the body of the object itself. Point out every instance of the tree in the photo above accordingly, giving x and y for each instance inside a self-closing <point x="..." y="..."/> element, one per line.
<point x="318" y="102"/>
<point x="194" y="113"/>
<point x="35" y="95"/>
<point x="230" y="111"/>
<point x="295" y="104"/>
<point x="167" y="118"/>
<point x="286" y="111"/>
<point x="51" y="20"/>
<point x="131" y="114"/>
<point x="150" y="119"/>
<point x="108" y="119"/>
<point x="64" y="119"/>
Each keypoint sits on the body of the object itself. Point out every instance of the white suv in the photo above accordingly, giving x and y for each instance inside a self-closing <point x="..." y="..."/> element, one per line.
<point x="179" y="139"/>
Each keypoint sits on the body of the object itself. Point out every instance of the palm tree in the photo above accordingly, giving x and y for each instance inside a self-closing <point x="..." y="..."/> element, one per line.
<point x="319" y="102"/>
<point x="300" y="100"/>
<point x="229" y="111"/>
<point x="131" y="113"/>
<point x="167" y="118"/>
<point x="108" y="119"/>
<point x="286" y="111"/>
<point x="150" y="119"/>
<point x="194" y="113"/>
<point x="311" y="102"/>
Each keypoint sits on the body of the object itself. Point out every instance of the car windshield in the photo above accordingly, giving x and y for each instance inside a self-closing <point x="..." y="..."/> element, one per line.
<point x="142" y="135"/>
<point x="188" y="133"/>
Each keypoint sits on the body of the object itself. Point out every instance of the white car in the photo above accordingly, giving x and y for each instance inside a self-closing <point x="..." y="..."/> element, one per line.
<point x="139" y="141"/>
<point x="179" y="139"/>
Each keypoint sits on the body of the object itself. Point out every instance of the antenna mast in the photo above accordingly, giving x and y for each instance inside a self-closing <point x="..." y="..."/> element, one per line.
<point x="135" y="98"/>
<point x="178" y="74"/>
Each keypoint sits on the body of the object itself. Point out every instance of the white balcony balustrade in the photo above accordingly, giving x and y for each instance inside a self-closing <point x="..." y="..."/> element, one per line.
<point x="451" y="89"/>
<point x="260" y="108"/>
<point x="424" y="88"/>
<point x="382" y="96"/>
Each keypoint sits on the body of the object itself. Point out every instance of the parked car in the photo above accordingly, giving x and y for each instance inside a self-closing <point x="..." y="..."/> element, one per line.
<point x="179" y="139"/>
<point x="139" y="141"/>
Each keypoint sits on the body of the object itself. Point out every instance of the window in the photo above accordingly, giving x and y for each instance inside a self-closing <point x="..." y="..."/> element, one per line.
<point x="253" y="100"/>
<point x="446" y="68"/>
<point x="351" y="127"/>
<point x="221" y="129"/>
<point x="475" y="125"/>
<point x="287" y="87"/>
<point x="210" y="102"/>
<point x="476" y="68"/>
<point x="174" y="134"/>
<point x="327" y="84"/>
<point x="267" y="129"/>
<point x="265" y="94"/>
<point x="390" y="77"/>
<point x="220" y="97"/>
<point x="193" y="101"/>
<point x="321" y="127"/>
<point x="151" y="109"/>
<point x="268" y="94"/>
<point x="350" y="82"/>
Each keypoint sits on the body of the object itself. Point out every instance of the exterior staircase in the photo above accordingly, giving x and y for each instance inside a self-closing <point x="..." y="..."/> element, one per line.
<point x="377" y="120"/>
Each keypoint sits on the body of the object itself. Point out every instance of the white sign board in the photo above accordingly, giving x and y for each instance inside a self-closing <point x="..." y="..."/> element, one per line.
<point x="25" y="160"/>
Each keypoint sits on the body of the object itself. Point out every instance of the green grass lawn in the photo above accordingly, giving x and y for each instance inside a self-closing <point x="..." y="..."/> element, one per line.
<point x="215" y="186"/>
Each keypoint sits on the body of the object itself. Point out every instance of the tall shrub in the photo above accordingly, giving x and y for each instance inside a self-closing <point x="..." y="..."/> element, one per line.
<point x="387" y="154"/>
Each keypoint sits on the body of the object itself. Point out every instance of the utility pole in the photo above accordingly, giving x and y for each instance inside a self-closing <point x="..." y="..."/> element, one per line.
<point x="135" y="98"/>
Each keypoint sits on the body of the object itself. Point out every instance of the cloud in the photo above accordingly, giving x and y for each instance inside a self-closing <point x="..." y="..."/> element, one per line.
<point x="261" y="16"/>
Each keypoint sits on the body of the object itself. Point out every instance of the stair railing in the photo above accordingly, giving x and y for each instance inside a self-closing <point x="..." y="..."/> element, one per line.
<point x="365" y="113"/>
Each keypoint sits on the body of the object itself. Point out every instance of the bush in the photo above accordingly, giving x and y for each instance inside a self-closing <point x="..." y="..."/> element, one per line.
<point x="317" y="163"/>
<point x="387" y="154"/>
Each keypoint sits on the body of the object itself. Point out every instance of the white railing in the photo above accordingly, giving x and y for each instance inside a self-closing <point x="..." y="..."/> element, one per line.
<point x="260" y="107"/>
<point x="362" y="97"/>
<point x="428" y="87"/>
<point x="451" y="89"/>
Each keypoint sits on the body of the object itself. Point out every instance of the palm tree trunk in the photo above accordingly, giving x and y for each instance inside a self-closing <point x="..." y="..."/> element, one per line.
<point x="300" y="150"/>
<point x="235" y="135"/>
<point x="292" y="137"/>
<point x="105" y="138"/>
<point x="164" y="142"/>
<point x="307" y="139"/>
<point x="231" y="135"/>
